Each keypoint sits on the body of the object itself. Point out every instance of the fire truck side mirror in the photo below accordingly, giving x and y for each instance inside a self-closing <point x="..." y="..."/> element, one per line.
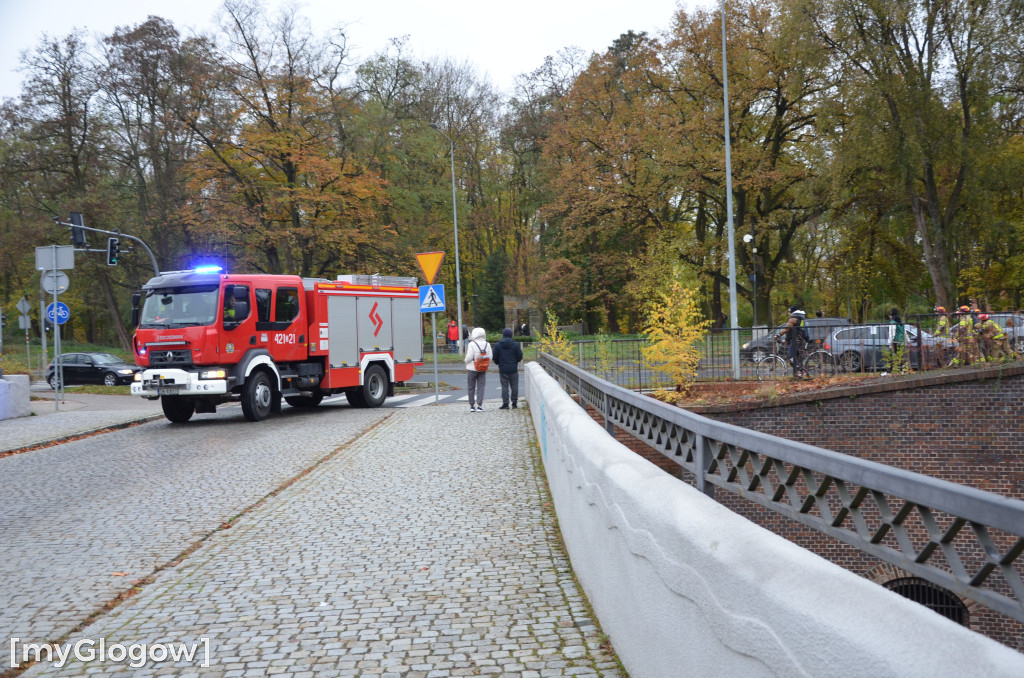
<point x="241" y="310"/>
<point x="135" y="317"/>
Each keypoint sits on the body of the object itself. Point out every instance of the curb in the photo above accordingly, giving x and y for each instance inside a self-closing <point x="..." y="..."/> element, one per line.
<point x="80" y="434"/>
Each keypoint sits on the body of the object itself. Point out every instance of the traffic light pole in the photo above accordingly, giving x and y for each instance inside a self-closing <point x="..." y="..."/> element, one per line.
<point x="152" y="259"/>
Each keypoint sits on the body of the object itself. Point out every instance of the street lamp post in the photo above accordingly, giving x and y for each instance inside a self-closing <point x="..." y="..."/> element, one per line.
<point x="749" y="238"/>
<point x="733" y="317"/>
<point x="455" y="218"/>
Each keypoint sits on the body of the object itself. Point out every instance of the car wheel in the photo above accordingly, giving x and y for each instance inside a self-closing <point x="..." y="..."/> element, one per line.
<point x="850" y="361"/>
<point x="178" y="410"/>
<point x="758" y="355"/>
<point x="1019" y="345"/>
<point x="258" y="396"/>
<point x="53" y="381"/>
<point x="110" y="379"/>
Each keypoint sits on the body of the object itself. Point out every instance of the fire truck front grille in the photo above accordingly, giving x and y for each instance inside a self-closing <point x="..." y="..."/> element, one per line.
<point x="181" y="357"/>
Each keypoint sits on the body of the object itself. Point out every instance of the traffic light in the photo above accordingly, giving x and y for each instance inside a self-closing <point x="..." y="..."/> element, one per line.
<point x="113" y="249"/>
<point x="77" y="233"/>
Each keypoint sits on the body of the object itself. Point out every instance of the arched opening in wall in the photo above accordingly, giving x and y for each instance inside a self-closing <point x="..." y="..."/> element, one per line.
<point x="932" y="596"/>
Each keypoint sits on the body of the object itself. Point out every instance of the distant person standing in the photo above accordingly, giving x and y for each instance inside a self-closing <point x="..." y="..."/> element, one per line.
<point x="508" y="354"/>
<point x="453" y="336"/>
<point x="898" y="332"/>
<point x="478" y="359"/>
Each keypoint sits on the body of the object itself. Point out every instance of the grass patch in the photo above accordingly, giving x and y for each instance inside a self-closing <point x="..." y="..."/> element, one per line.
<point x="14" y="357"/>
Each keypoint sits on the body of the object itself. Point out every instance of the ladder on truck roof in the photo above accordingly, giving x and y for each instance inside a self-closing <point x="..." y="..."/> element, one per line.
<point x="378" y="280"/>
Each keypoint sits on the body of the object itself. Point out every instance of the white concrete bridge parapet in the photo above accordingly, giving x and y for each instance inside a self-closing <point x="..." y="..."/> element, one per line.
<point x="683" y="586"/>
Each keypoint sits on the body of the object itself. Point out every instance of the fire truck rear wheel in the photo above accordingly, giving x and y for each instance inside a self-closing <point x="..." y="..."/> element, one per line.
<point x="355" y="396"/>
<point x="375" y="386"/>
<point x="177" y="409"/>
<point x="258" y="396"/>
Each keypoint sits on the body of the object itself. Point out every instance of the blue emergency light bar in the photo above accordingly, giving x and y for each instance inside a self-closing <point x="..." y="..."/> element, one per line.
<point x="207" y="269"/>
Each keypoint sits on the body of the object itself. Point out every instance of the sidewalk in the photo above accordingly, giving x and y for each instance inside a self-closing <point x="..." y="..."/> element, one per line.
<point x="79" y="414"/>
<point x="426" y="547"/>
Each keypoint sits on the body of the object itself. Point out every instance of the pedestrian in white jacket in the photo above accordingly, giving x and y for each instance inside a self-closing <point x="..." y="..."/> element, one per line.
<point x="477" y="349"/>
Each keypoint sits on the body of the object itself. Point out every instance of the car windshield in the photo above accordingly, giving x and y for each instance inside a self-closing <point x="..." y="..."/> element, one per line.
<point x="105" y="359"/>
<point x="180" y="306"/>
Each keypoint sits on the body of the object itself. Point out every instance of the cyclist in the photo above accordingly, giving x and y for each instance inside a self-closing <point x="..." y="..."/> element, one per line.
<point x="795" y="337"/>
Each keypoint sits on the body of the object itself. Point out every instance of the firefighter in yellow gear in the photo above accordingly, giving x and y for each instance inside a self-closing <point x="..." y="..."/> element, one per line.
<point x="994" y="346"/>
<point x="966" y="338"/>
<point x="944" y="345"/>
<point x="942" y="324"/>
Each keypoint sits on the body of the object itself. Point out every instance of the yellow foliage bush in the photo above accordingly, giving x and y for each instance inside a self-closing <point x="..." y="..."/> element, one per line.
<point x="674" y="329"/>
<point x="556" y="343"/>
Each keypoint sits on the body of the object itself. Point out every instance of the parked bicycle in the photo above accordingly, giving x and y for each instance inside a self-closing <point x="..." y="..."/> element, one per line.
<point x="815" y="360"/>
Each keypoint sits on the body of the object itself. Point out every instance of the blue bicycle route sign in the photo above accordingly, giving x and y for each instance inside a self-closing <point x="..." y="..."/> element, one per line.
<point x="58" y="313"/>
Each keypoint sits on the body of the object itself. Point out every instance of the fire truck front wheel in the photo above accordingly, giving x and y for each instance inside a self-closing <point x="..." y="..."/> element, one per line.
<point x="177" y="409"/>
<point x="258" y="396"/>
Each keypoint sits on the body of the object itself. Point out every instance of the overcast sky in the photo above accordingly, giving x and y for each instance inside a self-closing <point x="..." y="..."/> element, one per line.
<point x="503" y="39"/>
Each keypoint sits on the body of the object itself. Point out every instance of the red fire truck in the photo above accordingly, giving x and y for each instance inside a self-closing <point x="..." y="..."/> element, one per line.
<point x="206" y="338"/>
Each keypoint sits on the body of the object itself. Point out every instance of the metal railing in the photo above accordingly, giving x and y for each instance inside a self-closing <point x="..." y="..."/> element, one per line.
<point x="863" y="347"/>
<point x="966" y="540"/>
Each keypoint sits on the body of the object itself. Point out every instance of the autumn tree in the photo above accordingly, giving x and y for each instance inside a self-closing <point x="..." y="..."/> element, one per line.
<point x="918" y="82"/>
<point x="274" y="186"/>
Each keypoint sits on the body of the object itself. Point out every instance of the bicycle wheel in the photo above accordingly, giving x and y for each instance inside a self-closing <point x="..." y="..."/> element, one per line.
<point x="820" y="364"/>
<point x="772" y="368"/>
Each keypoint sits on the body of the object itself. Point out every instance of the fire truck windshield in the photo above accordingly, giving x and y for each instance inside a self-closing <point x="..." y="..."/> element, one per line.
<point x="180" y="307"/>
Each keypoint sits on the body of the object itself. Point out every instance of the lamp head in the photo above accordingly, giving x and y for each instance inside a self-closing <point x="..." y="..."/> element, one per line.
<point x="747" y="238"/>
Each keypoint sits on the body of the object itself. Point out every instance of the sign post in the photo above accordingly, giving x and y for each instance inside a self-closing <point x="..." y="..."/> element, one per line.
<point x="430" y="262"/>
<point x="25" y="323"/>
<point x="51" y="260"/>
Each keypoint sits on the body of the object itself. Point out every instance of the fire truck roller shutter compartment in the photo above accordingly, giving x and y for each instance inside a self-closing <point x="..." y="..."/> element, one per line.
<point x="343" y="348"/>
<point x="408" y="330"/>
<point x="375" y="326"/>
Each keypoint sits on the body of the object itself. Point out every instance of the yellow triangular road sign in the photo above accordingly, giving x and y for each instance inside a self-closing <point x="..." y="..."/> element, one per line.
<point x="430" y="262"/>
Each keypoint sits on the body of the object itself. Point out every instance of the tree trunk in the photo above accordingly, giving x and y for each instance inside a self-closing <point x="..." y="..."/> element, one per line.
<point x="115" y="314"/>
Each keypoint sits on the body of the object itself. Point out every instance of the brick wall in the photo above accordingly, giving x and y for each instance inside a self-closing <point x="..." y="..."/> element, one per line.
<point x="965" y="426"/>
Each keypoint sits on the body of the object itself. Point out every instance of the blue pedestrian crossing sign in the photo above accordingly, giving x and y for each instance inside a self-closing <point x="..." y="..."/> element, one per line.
<point x="431" y="298"/>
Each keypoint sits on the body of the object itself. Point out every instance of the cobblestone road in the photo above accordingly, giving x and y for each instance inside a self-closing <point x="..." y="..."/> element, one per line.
<point x="424" y="547"/>
<point x="132" y="500"/>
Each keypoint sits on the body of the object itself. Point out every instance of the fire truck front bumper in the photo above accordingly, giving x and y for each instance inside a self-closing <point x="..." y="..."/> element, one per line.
<point x="155" y="382"/>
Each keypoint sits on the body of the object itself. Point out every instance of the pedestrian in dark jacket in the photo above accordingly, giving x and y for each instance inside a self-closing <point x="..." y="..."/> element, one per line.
<point x="508" y="354"/>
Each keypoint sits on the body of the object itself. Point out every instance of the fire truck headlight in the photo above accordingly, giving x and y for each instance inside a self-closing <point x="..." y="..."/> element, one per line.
<point x="138" y="376"/>
<point x="213" y="374"/>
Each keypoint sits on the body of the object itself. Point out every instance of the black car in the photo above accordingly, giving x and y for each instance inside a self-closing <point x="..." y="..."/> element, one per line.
<point x="92" y="368"/>
<point x="818" y="329"/>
